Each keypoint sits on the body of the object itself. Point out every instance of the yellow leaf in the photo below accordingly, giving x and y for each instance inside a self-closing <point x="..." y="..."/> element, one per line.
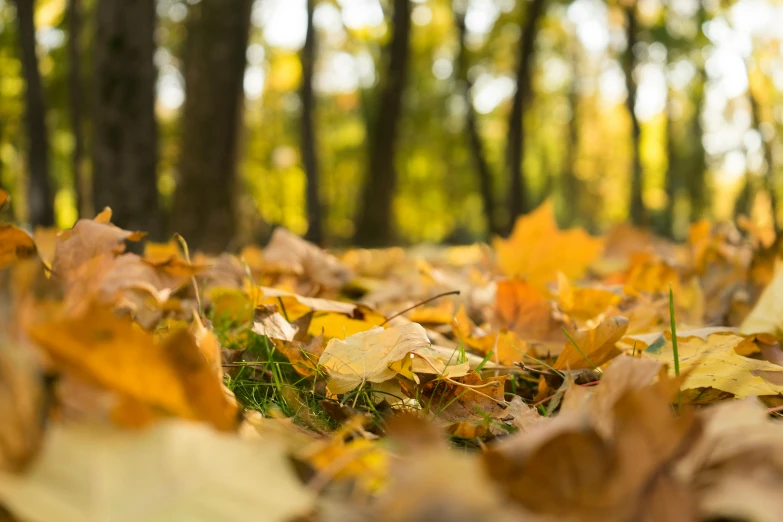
<point x="583" y="304"/>
<point x="335" y="325"/>
<point x="715" y="363"/>
<point x="596" y="344"/>
<point x="171" y="375"/>
<point x="172" y="471"/>
<point x="537" y="249"/>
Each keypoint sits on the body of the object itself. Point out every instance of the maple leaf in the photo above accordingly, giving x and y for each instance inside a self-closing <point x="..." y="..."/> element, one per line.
<point x="290" y="253"/>
<point x="537" y="249"/>
<point x="172" y="471"/>
<point x="717" y="360"/>
<point x="369" y="356"/>
<point x="592" y="347"/>
<point x="171" y="375"/>
<point x="524" y="310"/>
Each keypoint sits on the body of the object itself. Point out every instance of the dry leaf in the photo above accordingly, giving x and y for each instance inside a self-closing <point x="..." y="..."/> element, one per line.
<point x="175" y="471"/>
<point x="537" y="250"/>
<point x="273" y="325"/>
<point x="289" y="252"/>
<point x="15" y="244"/>
<point x="368" y="356"/>
<point x="597" y="345"/>
<point x="715" y="363"/>
<point x="171" y="375"/>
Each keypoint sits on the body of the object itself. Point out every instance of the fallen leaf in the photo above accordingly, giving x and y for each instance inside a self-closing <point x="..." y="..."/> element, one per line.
<point x="536" y="249"/>
<point x="368" y="356"/>
<point x="170" y="375"/>
<point x="715" y="363"/>
<point x="172" y="471"/>
<point x="289" y="252"/>
<point x="597" y="345"/>
<point x="22" y="408"/>
<point x="767" y="314"/>
<point x="86" y="240"/>
<point x="15" y="244"/>
<point x="273" y="325"/>
<point x="524" y="310"/>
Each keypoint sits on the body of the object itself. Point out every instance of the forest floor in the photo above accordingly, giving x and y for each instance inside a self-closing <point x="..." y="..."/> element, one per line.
<point x="551" y="375"/>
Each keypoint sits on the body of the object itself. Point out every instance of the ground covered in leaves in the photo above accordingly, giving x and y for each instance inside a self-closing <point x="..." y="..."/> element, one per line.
<point x="550" y="376"/>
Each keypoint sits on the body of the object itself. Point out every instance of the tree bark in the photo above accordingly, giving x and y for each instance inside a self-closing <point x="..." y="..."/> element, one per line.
<point x="673" y="170"/>
<point x="215" y="62"/>
<point x="75" y="87"/>
<point x="40" y="197"/>
<point x="308" y="136"/>
<point x="374" y="226"/>
<point x="125" y="133"/>
<point x="638" y="213"/>
<point x="571" y="186"/>
<point x="515" y="148"/>
<point x="476" y="147"/>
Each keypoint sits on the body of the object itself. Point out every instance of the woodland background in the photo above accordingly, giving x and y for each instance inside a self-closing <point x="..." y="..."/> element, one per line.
<point x="377" y="121"/>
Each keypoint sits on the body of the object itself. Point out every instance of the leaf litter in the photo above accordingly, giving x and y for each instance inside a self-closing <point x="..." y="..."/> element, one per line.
<point x="531" y="380"/>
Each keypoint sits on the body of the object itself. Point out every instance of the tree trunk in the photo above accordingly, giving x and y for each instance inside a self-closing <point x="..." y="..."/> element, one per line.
<point x="125" y="133"/>
<point x="698" y="191"/>
<point x="308" y="139"/>
<point x="215" y="62"/>
<point x="76" y="89"/>
<point x="476" y="147"/>
<point x="638" y="213"/>
<point x="515" y="148"/>
<point x="40" y="197"/>
<point x="673" y="170"/>
<point x="571" y="187"/>
<point x="374" y="225"/>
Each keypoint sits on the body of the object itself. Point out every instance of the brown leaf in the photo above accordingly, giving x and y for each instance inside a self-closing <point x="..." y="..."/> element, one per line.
<point x="524" y="310"/>
<point x="291" y="253"/>
<point x="15" y="244"/>
<point x="86" y="240"/>
<point x="170" y="375"/>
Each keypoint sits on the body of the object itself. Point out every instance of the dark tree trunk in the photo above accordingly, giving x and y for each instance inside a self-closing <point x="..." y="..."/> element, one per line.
<point x="374" y="225"/>
<point x="476" y="147"/>
<point x="697" y="187"/>
<point x="571" y="187"/>
<point x="698" y="192"/>
<point x="515" y="148"/>
<point x="76" y="89"/>
<point x="125" y="133"/>
<point x="637" y="211"/>
<point x="308" y="139"/>
<point x="40" y="197"/>
<point x="673" y="170"/>
<point x="215" y="62"/>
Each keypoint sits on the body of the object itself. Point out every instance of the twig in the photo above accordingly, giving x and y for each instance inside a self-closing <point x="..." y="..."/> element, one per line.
<point x="444" y="294"/>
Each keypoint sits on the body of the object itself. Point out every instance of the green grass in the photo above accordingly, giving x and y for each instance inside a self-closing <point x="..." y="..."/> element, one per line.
<point x="675" y="349"/>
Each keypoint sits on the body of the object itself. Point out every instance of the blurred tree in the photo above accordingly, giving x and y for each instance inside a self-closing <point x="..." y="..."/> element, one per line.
<point x="374" y="226"/>
<point x="571" y="187"/>
<point x="125" y="133"/>
<point x="698" y="190"/>
<point x="75" y="92"/>
<point x="39" y="192"/>
<point x="308" y="140"/>
<point x="515" y="148"/>
<point x="637" y="211"/>
<point x="214" y="62"/>
<point x="483" y="170"/>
